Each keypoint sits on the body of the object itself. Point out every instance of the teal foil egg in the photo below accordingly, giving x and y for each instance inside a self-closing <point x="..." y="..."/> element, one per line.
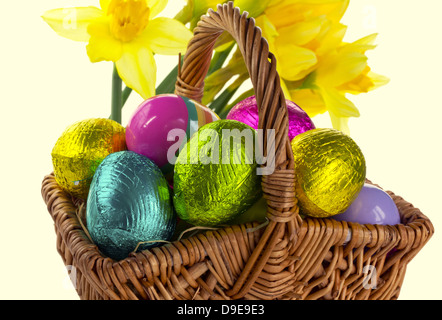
<point x="128" y="203"/>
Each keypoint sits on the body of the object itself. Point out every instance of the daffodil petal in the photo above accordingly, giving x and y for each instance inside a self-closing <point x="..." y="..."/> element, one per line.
<point x="269" y="31"/>
<point x="365" y="82"/>
<point x="339" y="68"/>
<point x="331" y="40"/>
<point x="309" y="100"/>
<point x="301" y="33"/>
<point x="337" y="103"/>
<point x="378" y="80"/>
<point x="361" y="46"/>
<point x="337" y="10"/>
<point x="334" y="9"/>
<point x="72" y="23"/>
<point x="286" y="13"/>
<point x="137" y="68"/>
<point x="358" y="85"/>
<point x="165" y="36"/>
<point x="104" y="4"/>
<point x="102" y="45"/>
<point x="284" y="89"/>
<point x="156" y="6"/>
<point x="370" y="39"/>
<point x="292" y="14"/>
<point x="339" y="123"/>
<point x="294" y="61"/>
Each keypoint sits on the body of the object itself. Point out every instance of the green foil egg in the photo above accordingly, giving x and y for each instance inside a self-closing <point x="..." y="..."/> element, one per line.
<point x="215" y="177"/>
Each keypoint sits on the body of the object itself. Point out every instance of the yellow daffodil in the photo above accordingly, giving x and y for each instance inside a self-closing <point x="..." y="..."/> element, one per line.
<point x="316" y="66"/>
<point x="127" y="32"/>
<point x="304" y="32"/>
<point x="341" y="71"/>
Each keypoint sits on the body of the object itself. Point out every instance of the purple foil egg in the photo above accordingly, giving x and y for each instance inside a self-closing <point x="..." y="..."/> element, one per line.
<point x="246" y="112"/>
<point x="372" y="206"/>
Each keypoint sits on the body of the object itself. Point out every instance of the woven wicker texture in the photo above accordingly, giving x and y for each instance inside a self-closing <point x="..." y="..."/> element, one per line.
<point x="289" y="258"/>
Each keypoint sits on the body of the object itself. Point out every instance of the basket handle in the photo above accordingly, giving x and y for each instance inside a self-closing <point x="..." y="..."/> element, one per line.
<point x="278" y="188"/>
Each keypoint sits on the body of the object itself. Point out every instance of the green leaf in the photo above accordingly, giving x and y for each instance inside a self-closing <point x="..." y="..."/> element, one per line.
<point x="244" y="95"/>
<point x="168" y="83"/>
<point x="222" y="101"/>
<point x="218" y="59"/>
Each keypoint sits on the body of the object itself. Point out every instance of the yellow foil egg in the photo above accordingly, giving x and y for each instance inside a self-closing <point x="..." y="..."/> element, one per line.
<point x="81" y="148"/>
<point x="330" y="172"/>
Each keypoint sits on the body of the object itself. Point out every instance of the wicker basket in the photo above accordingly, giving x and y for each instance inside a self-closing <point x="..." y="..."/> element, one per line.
<point x="289" y="258"/>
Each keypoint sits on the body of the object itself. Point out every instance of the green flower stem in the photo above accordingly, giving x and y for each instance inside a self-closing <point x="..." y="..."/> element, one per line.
<point x="126" y="93"/>
<point x="117" y="101"/>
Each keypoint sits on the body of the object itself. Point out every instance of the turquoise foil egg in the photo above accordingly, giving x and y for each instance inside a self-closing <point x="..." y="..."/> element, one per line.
<point x="129" y="203"/>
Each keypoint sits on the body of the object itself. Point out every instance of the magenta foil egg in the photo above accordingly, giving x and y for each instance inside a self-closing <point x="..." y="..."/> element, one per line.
<point x="150" y="131"/>
<point x="246" y="112"/>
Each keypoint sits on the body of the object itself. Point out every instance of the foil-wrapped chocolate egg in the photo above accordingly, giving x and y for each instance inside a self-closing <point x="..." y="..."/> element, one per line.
<point x="163" y="123"/>
<point x="256" y="213"/>
<point x="247" y="112"/>
<point x="216" y="176"/>
<point x="330" y="171"/>
<point x="81" y="148"/>
<point x="372" y="206"/>
<point x="129" y="203"/>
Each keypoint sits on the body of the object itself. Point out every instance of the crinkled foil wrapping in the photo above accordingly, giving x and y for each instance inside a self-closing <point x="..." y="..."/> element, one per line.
<point x="209" y="193"/>
<point x="246" y="111"/>
<point x="330" y="171"/>
<point x="81" y="148"/>
<point x="129" y="202"/>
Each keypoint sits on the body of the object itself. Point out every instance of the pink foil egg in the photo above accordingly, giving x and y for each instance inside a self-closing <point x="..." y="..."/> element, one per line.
<point x="159" y="123"/>
<point x="246" y="112"/>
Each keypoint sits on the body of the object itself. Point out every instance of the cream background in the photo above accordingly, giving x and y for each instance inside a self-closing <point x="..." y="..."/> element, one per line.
<point x="47" y="83"/>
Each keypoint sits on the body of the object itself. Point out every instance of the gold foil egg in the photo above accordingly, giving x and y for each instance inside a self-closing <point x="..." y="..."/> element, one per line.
<point x="81" y="148"/>
<point x="330" y="172"/>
